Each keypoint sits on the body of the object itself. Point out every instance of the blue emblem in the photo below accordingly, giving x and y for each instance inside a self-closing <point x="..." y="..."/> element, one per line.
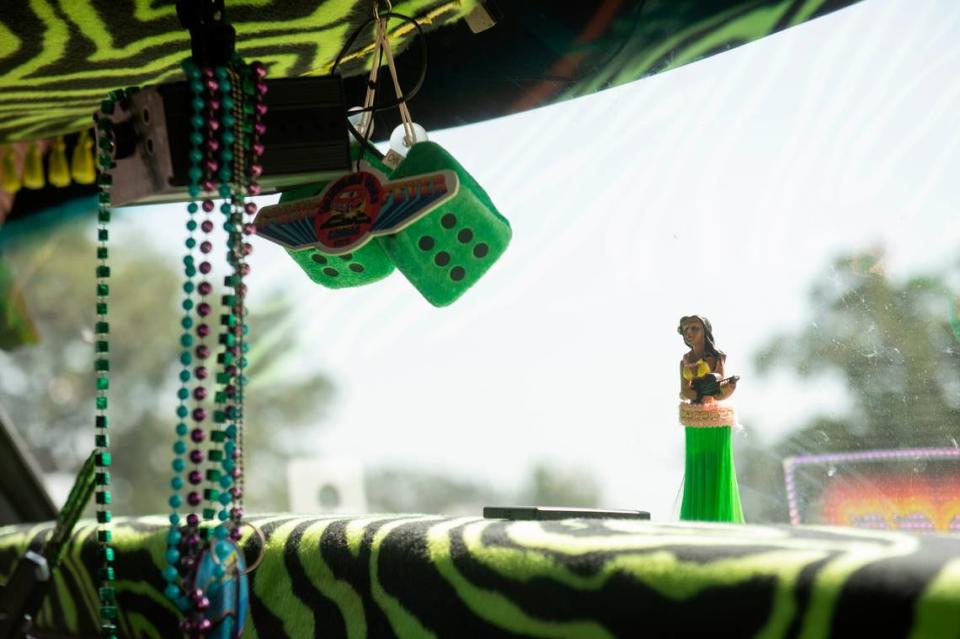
<point x="228" y="594"/>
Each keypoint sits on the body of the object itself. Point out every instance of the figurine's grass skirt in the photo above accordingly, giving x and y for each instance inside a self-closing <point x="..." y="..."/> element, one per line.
<point x="710" y="491"/>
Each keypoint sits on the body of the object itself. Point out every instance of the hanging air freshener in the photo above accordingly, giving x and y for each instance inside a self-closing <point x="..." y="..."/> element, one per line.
<point x="365" y="265"/>
<point x="328" y="229"/>
<point x="368" y="263"/>
<point x="448" y="251"/>
<point x="431" y="219"/>
<point x="353" y="210"/>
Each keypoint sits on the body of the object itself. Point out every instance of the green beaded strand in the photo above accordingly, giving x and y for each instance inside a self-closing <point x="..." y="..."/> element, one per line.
<point x="108" y="606"/>
<point x="226" y="396"/>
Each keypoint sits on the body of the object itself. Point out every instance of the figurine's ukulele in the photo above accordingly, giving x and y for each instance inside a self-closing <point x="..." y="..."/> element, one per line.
<point x="710" y="385"/>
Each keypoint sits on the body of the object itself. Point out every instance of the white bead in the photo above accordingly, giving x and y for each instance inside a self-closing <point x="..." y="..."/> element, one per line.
<point x="359" y="119"/>
<point x="399" y="145"/>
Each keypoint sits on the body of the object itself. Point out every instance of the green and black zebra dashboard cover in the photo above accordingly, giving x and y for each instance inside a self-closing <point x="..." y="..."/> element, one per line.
<point x="58" y="58"/>
<point x="432" y="576"/>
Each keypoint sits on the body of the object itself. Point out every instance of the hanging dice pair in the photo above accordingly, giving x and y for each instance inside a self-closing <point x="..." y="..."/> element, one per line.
<point x="431" y="220"/>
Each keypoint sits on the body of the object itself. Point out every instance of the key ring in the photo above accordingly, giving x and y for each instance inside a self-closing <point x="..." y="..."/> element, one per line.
<point x="254" y="565"/>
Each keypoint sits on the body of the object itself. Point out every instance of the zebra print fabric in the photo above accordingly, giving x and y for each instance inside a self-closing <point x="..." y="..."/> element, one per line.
<point x="426" y="576"/>
<point x="59" y="59"/>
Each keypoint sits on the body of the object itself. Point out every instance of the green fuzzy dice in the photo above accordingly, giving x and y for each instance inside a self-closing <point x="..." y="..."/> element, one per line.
<point x="451" y="248"/>
<point x="365" y="265"/>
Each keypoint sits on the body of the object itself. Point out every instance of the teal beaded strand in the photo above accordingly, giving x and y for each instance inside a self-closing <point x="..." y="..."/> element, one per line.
<point x="225" y="151"/>
<point x="208" y="87"/>
<point x="177" y="560"/>
<point x="232" y="100"/>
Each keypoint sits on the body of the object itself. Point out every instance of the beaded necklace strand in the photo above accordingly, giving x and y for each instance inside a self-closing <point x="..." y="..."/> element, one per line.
<point x="225" y="153"/>
<point x="102" y="458"/>
<point x="226" y="119"/>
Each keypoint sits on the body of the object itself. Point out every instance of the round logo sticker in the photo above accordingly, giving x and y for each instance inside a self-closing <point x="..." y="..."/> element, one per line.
<point x="348" y="209"/>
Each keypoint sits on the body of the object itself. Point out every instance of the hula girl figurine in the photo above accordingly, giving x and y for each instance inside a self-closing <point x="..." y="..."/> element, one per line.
<point x="710" y="491"/>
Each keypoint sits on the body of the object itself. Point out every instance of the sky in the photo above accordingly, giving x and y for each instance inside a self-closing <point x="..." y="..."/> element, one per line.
<point x="722" y="188"/>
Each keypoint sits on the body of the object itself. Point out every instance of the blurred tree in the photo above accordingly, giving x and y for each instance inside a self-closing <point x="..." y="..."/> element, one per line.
<point x="550" y="485"/>
<point x="406" y="490"/>
<point x="48" y="389"/>
<point x="892" y="343"/>
<point x="16" y="325"/>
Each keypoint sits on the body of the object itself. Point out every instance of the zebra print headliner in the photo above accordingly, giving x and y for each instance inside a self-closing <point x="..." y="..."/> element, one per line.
<point x="58" y="58"/>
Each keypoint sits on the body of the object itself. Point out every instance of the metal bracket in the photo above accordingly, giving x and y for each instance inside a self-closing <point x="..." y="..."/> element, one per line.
<point x="306" y="139"/>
